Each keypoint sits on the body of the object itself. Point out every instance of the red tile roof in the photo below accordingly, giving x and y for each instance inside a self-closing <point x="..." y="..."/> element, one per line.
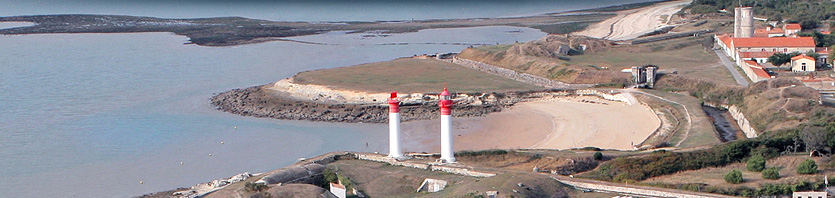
<point x="725" y="39"/>
<point x="802" y="56"/>
<point x="772" y="31"/>
<point x="826" y="32"/>
<point x="760" y="72"/>
<point x="793" y="26"/>
<point x="774" y="42"/>
<point x="752" y="63"/>
<point x="822" y="50"/>
<point x="755" y="54"/>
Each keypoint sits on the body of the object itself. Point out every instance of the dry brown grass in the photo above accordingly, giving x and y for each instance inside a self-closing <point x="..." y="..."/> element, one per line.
<point x="715" y="176"/>
<point x="410" y="75"/>
<point x="382" y="180"/>
<point x="602" y="62"/>
<point x="685" y="55"/>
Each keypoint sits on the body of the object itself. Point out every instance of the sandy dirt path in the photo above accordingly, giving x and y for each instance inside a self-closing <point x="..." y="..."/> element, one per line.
<point x="558" y="124"/>
<point x="631" y="24"/>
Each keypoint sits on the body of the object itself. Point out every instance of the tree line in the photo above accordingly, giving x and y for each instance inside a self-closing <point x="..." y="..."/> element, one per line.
<point x="806" y="12"/>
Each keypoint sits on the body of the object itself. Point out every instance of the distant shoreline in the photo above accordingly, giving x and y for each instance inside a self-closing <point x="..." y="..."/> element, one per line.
<point x="230" y="31"/>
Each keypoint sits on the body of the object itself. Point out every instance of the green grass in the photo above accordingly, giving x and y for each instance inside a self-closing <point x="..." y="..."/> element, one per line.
<point x="411" y="76"/>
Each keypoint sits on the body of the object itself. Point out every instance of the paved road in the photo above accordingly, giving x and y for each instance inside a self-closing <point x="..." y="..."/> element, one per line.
<point x="740" y="79"/>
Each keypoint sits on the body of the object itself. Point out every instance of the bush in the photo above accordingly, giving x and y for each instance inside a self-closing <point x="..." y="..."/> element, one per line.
<point x="328" y="176"/>
<point x="734" y="177"/>
<point x="598" y="155"/>
<point x="771" y="173"/>
<point x="255" y="187"/>
<point x="703" y="9"/>
<point x="756" y="163"/>
<point x="480" y="153"/>
<point x="807" y="167"/>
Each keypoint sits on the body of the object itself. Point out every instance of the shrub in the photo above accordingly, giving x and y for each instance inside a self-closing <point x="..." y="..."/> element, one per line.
<point x="328" y="176"/>
<point x="255" y="187"/>
<point x="771" y="173"/>
<point x="807" y="167"/>
<point x="482" y="152"/>
<point x="598" y="155"/>
<point x="734" y="177"/>
<point x="756" y="163"/>
<point x="703" y="9"/>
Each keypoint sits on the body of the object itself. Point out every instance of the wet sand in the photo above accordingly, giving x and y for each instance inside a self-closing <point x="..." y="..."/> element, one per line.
<point x="561" y="123"/>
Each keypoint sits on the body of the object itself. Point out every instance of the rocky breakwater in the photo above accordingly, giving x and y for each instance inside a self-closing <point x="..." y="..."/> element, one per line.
<point x="287" y="100"/>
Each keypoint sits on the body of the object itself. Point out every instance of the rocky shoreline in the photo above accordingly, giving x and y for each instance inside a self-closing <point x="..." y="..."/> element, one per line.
<point x="261" y="101"/>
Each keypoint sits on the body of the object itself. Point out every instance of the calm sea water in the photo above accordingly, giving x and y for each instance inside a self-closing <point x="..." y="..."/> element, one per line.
<point x="303" y="10"/>
<point x="91" y="115"/>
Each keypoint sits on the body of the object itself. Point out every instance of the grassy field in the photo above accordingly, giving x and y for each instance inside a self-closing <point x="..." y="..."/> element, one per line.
<point x="685" y="55"/>
<point x="410" y="75"/>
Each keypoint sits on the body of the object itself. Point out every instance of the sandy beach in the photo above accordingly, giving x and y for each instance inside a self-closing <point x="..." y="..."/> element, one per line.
<point x="631" y="24"/>
<point x="559" y="123"/>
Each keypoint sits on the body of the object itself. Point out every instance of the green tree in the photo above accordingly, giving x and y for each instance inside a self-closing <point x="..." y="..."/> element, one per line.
<point x="756" y="163"/>
<point x="778" y="59"/>
<point x="328" y="176"/>
<point x="807" y="167"/>
<point x="598" y="155"/>
<point x="776" y="17"/>
<point x="809" y="24"/>
<point x="771" y="173"/>
<point x="734" y="177"/>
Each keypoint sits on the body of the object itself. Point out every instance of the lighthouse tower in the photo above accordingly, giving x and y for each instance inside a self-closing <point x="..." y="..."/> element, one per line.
<point x="394" y="127"/>
<point x="445" y="103"/>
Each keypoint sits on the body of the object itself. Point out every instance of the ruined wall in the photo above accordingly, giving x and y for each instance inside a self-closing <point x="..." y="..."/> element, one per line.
<point x="743" y="123"/>
<point x="507" y="73"/>
<point x="448" y="169"/>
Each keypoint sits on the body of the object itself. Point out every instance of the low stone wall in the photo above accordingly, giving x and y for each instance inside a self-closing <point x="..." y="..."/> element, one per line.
<point x="448" y="169"/>
<point x="461" y="171"/>
<point x="740" y="119"/>
<point x="631" y="189"/>
<point x="386" y="159"/>
<point x="507" y="73"/>
<point x="743" y="123"/>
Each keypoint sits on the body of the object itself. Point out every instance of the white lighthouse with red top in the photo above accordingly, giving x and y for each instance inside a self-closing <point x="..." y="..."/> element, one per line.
<point x="445" y="103"/>
<point x="395" y="150"/>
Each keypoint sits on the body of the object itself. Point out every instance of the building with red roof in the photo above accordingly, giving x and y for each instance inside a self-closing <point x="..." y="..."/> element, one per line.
<point x="759" y="57"/>
<point x="773" y="45"/>
<point x="769" y="32"/>
<point x="792" y="28"/>
<point x="754" y="71"/>
<point x="803" y="63"/>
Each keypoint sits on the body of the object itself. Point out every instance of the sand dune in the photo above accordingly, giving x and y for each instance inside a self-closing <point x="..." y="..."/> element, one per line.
<point x="631" y="24"/>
